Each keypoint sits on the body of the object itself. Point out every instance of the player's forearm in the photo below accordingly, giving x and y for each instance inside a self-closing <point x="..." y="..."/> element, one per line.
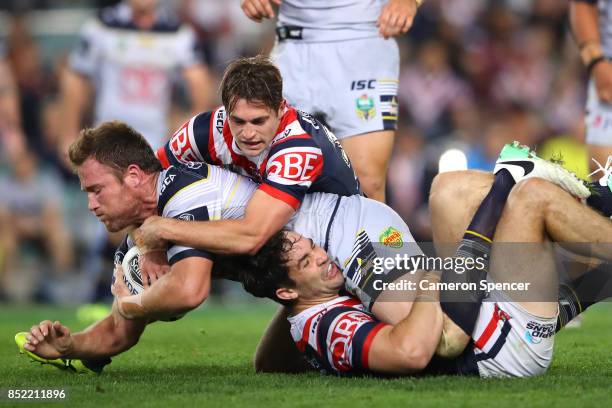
<point x="419" y="333"/>
<point x="584" y="22"/>
<point x="183" y="289"/>
<point x="74" y="90"/>
<point x="199" y="83"/>
<point x="106" y="338"/>
<point x="9" y="105"/>
<point x="221" y="237"/>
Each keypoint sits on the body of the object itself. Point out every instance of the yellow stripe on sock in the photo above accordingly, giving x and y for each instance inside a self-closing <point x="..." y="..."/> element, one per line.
<point x="479" y="236"/>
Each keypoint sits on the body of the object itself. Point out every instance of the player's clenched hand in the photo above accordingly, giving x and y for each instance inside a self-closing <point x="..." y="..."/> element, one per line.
<point x="49" y="340"/>
<point x="257" y="10"/>
<point x="602" y="73"/>
<point x="396" y="17"/>
<point x="153" y="265"/>
<point x="147" y="236"/>
<point x="118" y="288"/>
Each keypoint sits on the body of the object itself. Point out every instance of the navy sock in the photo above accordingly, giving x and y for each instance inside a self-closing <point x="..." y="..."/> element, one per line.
<point x="600" y="199"/>
<point x="581" y="293"/>
<point x="463" y="306"/>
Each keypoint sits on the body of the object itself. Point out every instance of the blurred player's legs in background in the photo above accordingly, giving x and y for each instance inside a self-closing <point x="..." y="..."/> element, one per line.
<point x="351" y="86"/>
<point x="370" y="154"/>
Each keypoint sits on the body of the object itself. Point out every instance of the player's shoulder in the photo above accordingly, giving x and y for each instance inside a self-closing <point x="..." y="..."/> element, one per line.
<point x="297" y="129"/>
<point x="205" y="122"/>
<point x="176" y="179"/>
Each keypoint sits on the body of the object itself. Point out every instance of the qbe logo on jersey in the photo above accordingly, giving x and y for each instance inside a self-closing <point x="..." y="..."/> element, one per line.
<point x="181" y="145"/>
<point x="295" y="165"/>
<point x="340" y="338"/>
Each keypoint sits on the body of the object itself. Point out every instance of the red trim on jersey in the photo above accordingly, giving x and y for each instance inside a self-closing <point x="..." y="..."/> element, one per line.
<point x="211" y="137"/>
<point x="289" y="116"/>
<point x="303" y="342"/>
<point x="162" y="157"/>
<point x="280" y="195"/>
<point x="300" y="136"/>
<point x="489" y="330"/>
<point x="365" y="352"/>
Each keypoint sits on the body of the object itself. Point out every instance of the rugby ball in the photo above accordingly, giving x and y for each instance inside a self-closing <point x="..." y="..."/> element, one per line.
<point x="131" y="271"/>
<point x="131" y="275"/>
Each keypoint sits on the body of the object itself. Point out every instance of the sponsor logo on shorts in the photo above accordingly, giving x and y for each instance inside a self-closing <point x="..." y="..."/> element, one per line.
<point x="365" y="107"/>
<point x="391" y="237"/>
<point x="536" y="331"/>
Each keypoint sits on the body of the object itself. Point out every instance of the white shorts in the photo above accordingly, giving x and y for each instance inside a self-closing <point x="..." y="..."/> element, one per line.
<point x="510" y="341"/>
<point x="598" y="119"/>
<point x="352" y="83"/>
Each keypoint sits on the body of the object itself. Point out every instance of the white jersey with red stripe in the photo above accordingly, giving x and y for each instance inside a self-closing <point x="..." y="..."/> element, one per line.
<point x="132" y="69"/>
<point x="335" y="337"/>
<point x="304" y="156"/>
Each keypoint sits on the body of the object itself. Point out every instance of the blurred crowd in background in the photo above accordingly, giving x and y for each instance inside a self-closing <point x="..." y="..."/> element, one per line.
<point x="475" y="74"/>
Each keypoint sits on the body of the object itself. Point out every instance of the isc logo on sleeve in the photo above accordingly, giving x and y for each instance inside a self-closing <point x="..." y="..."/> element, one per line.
<point x="297" y="165"/>
<point x="180" y="145"/>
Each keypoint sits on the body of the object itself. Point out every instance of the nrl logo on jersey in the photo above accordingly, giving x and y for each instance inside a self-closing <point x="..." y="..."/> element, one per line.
<point x="391" y="237"/>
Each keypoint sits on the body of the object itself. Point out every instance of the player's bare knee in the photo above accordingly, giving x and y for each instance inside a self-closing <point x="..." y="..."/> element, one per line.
<point x="445" y="188"/>
<point x="532" y="192"/>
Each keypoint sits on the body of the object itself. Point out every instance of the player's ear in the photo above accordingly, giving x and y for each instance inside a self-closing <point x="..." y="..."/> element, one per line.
<point x="286" y="293"/>
<point x="132" y="175"/>
<point x="282" y="107"/>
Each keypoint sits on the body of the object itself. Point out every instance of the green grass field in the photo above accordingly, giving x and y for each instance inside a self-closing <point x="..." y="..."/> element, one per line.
<point x="205" y="360"/>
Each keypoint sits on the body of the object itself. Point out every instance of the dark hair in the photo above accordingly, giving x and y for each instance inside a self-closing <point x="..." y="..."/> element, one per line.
<point x="267" y="271"/>
<point x="114" y="144"/>
<point x="254" y="79"/>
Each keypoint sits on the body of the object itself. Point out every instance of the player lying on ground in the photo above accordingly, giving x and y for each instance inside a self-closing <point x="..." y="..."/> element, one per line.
<point x="338" y="335"/>
<point x="125" y="185"/>
<point x="316" y="216"/>
<point x="466" y="207"/>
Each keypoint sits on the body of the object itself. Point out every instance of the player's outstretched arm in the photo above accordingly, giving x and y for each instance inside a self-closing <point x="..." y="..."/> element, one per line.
<point x="408" y="346"/>
<point x="264" y="216"/>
